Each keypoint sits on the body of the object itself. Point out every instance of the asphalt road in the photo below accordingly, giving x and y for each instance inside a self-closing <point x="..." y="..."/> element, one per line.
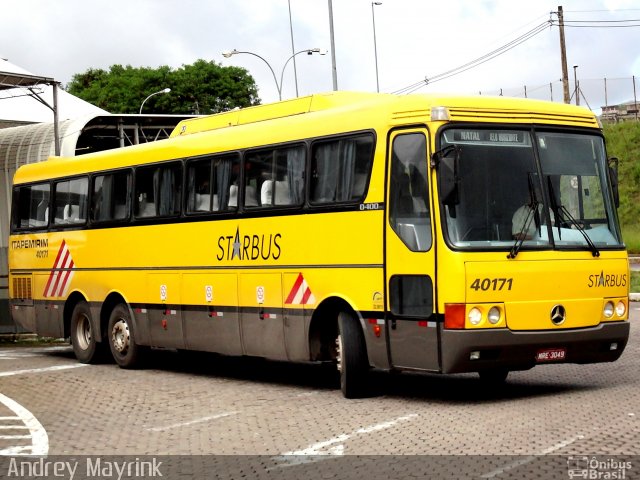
<point x="275" y="413"/>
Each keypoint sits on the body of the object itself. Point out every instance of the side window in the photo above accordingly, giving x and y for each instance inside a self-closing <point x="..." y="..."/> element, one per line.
<point x="70" y="201"/>
<point x="158" y="190"/>
<point x="31" y="206"/>
<point x="408" y="192"/>
<point x="110" y="197"/>
<point x="411" y="295"/>
<point x="340" y="169"/>
<point x="275" y="177"/>
<point x="212" y="184"/>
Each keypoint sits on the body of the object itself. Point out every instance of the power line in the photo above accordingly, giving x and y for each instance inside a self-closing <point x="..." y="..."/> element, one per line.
<point x="603" y="21"/>
<point x="478" y="61"/>
<point x="567" y="24"/>
<point x="518" y="41"/>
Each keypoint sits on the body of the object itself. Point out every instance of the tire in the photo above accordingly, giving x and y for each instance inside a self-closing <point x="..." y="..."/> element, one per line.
<point x="494" y="377"/>
<point x="122" y="342"/>
<point x="352" y="361"/>
<point x="83" y="339"/>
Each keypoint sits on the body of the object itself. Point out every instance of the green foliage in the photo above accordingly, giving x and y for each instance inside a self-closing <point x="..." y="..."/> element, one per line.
<point x="623" y="142"/>
<point x="202" y="88"/>
<point x="631" y="237"/>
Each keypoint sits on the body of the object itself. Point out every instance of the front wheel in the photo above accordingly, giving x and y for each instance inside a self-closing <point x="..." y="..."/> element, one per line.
<point x="122" y="341"/>
<point x="83" y="339"/>
<point x="352" y="361"/>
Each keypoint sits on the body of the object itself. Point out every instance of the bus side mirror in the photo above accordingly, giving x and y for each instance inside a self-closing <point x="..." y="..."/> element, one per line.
<point x="446" y="162"/>
<point x="613" y="176"/>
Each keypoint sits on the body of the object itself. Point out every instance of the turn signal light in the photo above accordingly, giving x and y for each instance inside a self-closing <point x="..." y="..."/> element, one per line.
<point x="454" y="314"/>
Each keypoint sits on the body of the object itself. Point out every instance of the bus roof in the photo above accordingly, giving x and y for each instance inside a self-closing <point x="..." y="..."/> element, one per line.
<point x="461" y="108"/>
<point x="336" y="112"/>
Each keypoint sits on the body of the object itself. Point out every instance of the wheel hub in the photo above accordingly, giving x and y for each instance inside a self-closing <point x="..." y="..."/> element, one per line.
<point x="339" y="353"/>
<point x="120" y="336"/>
<point x="83" y="332"/>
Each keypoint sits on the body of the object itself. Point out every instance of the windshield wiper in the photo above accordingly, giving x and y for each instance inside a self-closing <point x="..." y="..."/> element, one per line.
<point x="594" y="250"/>
<point x="561" y="212"/>
<point x="520" y="238"/>
<point x="532" y="214"/>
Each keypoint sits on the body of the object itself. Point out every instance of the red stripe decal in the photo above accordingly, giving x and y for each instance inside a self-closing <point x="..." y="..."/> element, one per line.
<point x="294" y="290"/>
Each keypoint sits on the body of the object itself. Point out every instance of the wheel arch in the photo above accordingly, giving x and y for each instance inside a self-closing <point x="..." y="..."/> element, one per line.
<point x="323" y="327"/>
<point x="69" y="305"/>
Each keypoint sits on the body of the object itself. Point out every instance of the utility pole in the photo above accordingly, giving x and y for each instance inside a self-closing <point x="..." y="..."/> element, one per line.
<point x="334" y="73"/>
<point x="563" y="57"/>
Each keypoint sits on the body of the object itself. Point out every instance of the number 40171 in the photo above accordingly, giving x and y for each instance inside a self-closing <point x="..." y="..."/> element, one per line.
<point x="486" y="284"/>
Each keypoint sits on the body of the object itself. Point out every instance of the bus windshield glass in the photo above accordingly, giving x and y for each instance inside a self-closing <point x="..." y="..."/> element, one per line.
<point x="499" y="194"/>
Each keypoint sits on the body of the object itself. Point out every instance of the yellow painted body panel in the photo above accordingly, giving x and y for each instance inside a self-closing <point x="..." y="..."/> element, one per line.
<point x="531" y="285"/>
<point x="108" y="259"/>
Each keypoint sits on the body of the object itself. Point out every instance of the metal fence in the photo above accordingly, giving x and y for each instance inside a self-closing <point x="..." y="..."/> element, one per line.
<point x="613" y="98"/>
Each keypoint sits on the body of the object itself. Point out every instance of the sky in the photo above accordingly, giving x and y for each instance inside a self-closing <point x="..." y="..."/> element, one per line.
<point x="415" y="39"/>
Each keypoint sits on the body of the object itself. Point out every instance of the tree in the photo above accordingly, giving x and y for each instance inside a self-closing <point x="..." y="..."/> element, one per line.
<point x="202" y="88"/>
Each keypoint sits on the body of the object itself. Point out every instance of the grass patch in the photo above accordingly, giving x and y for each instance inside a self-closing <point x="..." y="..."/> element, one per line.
<point x="29" y="340"/>
<point x="631" y="237"/>
<point x="635" y="282"/>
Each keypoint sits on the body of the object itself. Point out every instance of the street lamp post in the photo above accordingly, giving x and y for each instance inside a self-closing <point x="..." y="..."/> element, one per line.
<point x="293" y="49"/>
<point x="309" y="51"/>
<point x="165" y="90"/>
<point x="375" y="46"/>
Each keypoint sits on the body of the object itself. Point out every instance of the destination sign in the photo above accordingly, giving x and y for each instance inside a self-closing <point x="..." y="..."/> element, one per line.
<point x="489" y="136"/>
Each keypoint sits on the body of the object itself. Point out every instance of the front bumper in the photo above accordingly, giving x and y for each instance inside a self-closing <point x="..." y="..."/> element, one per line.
<point x="516" y="350"/>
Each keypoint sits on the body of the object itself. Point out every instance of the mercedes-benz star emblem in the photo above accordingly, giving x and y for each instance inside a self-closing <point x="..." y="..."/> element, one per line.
<point x="558" y="315"/>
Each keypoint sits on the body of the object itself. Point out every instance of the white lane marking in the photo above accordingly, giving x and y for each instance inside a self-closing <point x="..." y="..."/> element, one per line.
<point x="9" y="418"/>
<point x="316" y="448"/>
<point x="531" y="458"/>
<point x="12" y="427"/>
<point x="32" y="352"/>
<point x="192" y="422"/>
<point x="44" y="369"/>
<point x="39" y="437"/>
<point x="308" y="394"/>
<point x="319" y="451"/>
<point x="17" y="450"/>
<point x="11" y="437"/>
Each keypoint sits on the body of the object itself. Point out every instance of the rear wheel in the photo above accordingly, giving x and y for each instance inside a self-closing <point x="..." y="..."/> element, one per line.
<point x="352" y="361"/>
<point x="122" y="342"/>
<point x="83" y="339"/>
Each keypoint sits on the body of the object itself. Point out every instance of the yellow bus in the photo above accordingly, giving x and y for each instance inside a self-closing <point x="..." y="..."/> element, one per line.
<point x="430" y="233"/>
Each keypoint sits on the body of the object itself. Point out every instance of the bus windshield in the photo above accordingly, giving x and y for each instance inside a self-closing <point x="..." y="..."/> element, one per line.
<point x="502" y="195"/>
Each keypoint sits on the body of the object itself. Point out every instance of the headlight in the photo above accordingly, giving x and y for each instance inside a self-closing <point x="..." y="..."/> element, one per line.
<point x="475" y="316"/>
<point x="608" y="310"/>
<point x="494" y="315"/>
<point x="621" y="309"/>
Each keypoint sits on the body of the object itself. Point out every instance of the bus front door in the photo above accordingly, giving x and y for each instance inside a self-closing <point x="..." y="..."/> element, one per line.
<point x="409" y="256"/>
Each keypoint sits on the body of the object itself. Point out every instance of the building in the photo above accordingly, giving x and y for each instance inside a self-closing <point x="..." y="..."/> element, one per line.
<point x="32" y="110"/>
<point x="620" y="113"/>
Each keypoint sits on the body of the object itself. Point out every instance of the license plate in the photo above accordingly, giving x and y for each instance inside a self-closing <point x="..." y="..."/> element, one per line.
<point x="551" y="355"/>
